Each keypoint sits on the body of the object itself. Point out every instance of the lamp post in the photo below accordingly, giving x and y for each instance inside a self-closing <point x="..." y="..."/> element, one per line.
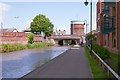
<point x="1" y="18"/>
<point x="86" y="31"/>
<point x="16" y="18"/>
<point x="86" y="3"/>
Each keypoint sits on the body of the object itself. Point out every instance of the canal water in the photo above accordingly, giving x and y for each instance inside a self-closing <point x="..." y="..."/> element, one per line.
<point x="19" y="63"/>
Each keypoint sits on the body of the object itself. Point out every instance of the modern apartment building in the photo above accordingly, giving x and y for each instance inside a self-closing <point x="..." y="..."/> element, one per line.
<point x="108" y="24"/>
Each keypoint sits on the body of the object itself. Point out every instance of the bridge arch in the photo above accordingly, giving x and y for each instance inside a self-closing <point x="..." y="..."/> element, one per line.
<point x="67" y="42"/>
<point x="67" y="39"/>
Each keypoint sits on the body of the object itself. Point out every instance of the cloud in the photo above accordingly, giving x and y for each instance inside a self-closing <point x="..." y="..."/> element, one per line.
<point x="4" y="8"/>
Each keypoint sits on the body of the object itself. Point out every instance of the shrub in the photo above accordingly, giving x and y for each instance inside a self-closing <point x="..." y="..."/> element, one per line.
<point x="102" y="52"/>
<point x="29" y="46"/>
<point x="118" y="65"/>
<point x="14" y="47"/>
<point x="30" y="38"/>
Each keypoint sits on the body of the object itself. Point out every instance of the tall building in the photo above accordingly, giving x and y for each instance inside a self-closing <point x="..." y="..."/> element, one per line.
<point x="77" y="28"/>
<point x="108" y="25"/>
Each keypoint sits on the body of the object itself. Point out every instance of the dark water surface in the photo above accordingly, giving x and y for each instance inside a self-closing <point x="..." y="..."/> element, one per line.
<point x="17" y="64"/>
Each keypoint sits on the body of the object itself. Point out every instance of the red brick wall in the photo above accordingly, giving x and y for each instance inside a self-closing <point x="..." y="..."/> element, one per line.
<point x="78" y="29"/>
<point x="16" y="38"/>
<point x="118" y="25"/>
<point x="99" y="22"/>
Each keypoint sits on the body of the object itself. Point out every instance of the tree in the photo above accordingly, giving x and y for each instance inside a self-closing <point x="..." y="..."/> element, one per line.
<point x="30" y="38"/>
<point x="42" y="24"/>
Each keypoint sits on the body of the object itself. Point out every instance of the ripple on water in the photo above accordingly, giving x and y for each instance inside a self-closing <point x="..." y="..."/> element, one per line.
<point x="19" y="63"/>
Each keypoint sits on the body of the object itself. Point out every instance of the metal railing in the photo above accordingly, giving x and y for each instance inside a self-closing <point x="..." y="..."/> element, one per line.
<point x="108" y="68"/>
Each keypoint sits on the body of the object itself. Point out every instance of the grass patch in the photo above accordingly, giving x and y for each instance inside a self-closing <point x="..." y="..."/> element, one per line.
<point x="97" y="70"/>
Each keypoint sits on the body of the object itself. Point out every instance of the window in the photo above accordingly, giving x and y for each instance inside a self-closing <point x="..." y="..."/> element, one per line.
<point x="98" y="29"/>
<point x="114" y="43"/>
<point x="98" y="16"/>
<point x="114" y="40"/>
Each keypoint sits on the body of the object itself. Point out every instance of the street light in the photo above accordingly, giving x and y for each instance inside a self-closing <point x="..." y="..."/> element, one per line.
<point x="85" y="23"/>
<point x="86" y="3"/>
<point x="16" y="17"/>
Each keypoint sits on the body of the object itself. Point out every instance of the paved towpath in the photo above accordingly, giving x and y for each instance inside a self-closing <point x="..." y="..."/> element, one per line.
<point x="71" y="64"/>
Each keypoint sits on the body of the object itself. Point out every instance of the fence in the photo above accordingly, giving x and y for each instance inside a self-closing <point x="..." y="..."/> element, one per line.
<point x="108" y="69"/>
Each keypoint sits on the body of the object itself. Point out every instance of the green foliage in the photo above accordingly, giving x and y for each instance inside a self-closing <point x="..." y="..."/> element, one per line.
<point x="118" y="66"/>
<point x="30" y="38"/>
<point x="102" y="52"/>
<point x="42" y="23"/>
<point x="89" y="36"/>
<point x="12" y="47"/>
<point x="96" y="69"/>
<point x="16" y="47"/>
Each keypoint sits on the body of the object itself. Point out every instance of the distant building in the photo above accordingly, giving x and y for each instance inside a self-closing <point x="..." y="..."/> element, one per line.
<point x="27" y="30"/>
<point x="77" y="28"/>
<point x="60" y="32"/>
<point x="8" y="30"/>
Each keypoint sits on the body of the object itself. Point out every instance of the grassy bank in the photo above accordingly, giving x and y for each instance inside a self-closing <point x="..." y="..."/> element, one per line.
<point x="112" y="59"/>
<point x="4" y="48"/>
<point x="95" y="67"/>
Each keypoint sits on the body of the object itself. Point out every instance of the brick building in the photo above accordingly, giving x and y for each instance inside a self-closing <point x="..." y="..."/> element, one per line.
<point x="77" y="28"/>
<point x="108" y="25"/>
<point x="60" y="32"/>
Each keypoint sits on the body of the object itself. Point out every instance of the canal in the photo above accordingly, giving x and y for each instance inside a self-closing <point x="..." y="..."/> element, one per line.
<point x="19" y="63"/>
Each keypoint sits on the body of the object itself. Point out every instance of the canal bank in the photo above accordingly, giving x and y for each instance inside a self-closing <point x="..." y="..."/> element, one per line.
<point x="19" y="63"/>
<point x="71" y="64"/>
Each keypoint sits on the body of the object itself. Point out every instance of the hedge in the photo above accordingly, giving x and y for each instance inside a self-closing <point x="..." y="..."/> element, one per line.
<point x="16" y="47"/>
<point x="102" y="52"/>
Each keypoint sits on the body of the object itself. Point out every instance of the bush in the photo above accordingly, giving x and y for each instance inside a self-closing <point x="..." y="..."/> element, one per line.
<point x="14" y="47"/>
<point x="102" y="52"/>
<point x="118" y="65"/>
<point x="29" y="46"/>
<point x="30" y="38"/>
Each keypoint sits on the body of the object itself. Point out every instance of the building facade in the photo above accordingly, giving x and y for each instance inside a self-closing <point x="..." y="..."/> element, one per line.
<point x="77" y="28"/>
<point x="60" y="32"/>
<point x="108" y="25"/>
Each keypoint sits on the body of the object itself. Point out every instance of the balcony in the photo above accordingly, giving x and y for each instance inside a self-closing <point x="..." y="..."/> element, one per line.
<point x="108" y="25"/>
<point x="106" y="8"/>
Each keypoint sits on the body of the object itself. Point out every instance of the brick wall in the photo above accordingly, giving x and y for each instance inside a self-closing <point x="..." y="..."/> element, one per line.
<point x="118" y="25"/>
<point x="78" y="29"/>
<point x="99" y="22"/>
<point x="16" y="38"/>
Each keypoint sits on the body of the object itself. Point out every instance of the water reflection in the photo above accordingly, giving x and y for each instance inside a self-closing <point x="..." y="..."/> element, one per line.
<point x="17" y="64"/>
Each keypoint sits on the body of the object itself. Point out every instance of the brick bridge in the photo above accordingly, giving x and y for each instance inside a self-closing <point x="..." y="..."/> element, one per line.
<point x="67" y="39"/>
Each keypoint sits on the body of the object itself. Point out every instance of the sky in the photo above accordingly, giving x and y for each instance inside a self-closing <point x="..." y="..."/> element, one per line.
<point x="20" y="14"/>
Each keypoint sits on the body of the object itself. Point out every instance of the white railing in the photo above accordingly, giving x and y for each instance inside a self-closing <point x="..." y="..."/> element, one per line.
<point x="108" y="68"/>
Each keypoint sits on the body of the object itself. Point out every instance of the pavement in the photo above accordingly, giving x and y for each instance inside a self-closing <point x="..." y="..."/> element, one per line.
<point x="71" y="64"/>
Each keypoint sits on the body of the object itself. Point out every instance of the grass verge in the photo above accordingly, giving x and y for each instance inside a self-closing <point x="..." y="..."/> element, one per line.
<point x="97" y="71"/>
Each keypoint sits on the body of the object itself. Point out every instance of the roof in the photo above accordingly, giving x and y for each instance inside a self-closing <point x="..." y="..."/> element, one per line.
<point x="77" y="22"/>
<point x="8" y="30"/>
